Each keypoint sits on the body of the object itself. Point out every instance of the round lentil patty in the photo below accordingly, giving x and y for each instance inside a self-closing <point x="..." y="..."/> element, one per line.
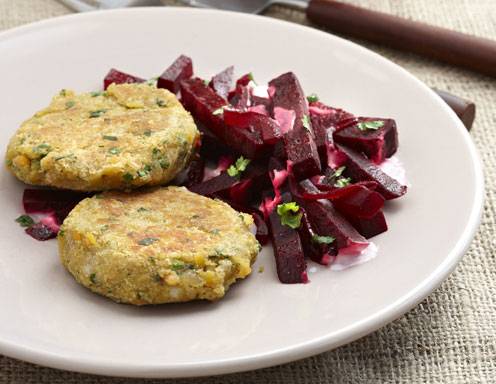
<point x="157" y="246"/>
<point x="129" y="136"/>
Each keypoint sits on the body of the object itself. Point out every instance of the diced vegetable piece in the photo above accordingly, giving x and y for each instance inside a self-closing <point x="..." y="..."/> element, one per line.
<point x="317" y="248"/>
<point x="288" y="250"/>
<point x="180" y="69"/>
<point x="299" y="142"/>
<point x="211" y="148"/>
<point x="267" y="127"/>
<point x="241" y="86"/>
<point x="327" y="221"/>
<point x="362" y="169"/>
<point x="360" y="203"/>
<point x="262" y="234"/>
<point x="222" y="82"/>
<point x="302" y="152"/>
<point x="337" y="194"/>
<point x="215" y="185"/>
<point x="325" y="119"/>
<point x="117" y="77"/>
<point x="48" y="201"/>
<point x="377" y="138"/>
<point x="369" y="227"/>
<point x="41" y="232"/>
<point x="195" y="171"/>
<point x="207" y="107"/>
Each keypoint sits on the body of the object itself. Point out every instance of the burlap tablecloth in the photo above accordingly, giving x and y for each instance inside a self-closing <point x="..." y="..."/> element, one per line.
<point x="451" y="336"/>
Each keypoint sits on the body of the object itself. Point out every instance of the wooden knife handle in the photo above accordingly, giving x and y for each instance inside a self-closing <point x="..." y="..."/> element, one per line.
<point x="452" y="47"/>
<point x="464" y="109"/>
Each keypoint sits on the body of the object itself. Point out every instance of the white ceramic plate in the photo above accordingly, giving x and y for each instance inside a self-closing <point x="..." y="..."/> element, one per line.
<point x="46" y="318"/>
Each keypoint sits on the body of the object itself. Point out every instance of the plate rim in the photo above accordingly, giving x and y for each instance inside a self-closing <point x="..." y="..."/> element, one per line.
<point x="111" y="367"/>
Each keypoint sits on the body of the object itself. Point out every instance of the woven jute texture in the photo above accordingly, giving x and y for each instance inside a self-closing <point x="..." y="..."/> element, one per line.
<point x="451" y="336"/>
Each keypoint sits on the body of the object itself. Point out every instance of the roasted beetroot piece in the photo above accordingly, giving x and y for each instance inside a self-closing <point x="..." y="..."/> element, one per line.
<point x="359" y="168"/>
<point x="343" y="193"/>
<point x="377" y="138"/>
<point x="207" y="107"/>
<point x="211" y="148"/>
<point x="222" y="82"/>
<point x="361" y="203"/>
<point x="267" y="127"/>
<point x="181" y="69"/>
<point x="262" y="234"/>
<point x="317" y="248"/>
<point x="41" y="232"/>
<point x="215" y="185"/>
<point x="223" y="163"/>
<point x="299" y="141"/>
<point x="288" y="250"/>
<point x="241" y="84"/>
<point x="196" y="171"/>
<point x="327" y="221"/>
<point x="325" y="119"/>
<point x="59" y="202"/>
<point x="369" y="227"/>
<point x="117" y="77"/>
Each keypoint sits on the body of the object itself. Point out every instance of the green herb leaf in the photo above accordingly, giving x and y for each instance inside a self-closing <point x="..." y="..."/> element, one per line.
<point x="161" y="103"/>
<point x="97" y="93"/>
<point x="312" y="98"/>
<point x="25" y="221"/>
<point x="338" y="172"/>
<point x="164" y="163"/>
<point x="114" y="151"/>
<point x="178" y="266"/>
<point x="342" y="182"/>
<point x="42" y="149"/>
<point x="252" y="78"/>
<point x="206" y="82"/>
<point x="322" y="239"/>
<point x="61" y="233"/>
<point x="93" y="278"/>
<point x="97" y="113"/>
<point x="374" y="125"/>
<point x="142" y="209"/>
<point x="238" y="167"/>
<point x="70" y="104"/>
<point x="147" y="133"/>
<point x="306" y="122"/>
<point x="147" y="241"/>
<point x="63" y="93"/>
<point x="111" y="138"/>
<point x="128" y="177"/>
<point x="290" y="214"/>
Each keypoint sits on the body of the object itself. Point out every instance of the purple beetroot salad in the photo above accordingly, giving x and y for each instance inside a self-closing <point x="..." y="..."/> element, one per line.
<point x="307" y="172"/>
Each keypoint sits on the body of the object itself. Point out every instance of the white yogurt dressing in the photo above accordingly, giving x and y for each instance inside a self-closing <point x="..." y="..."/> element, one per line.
<point x="394" y="168"/>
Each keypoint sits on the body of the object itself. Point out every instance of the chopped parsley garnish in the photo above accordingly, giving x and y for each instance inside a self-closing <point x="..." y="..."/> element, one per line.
<point x="147" y="133"/>
<point x="97" y="113"/>
<point x="161" y="103"/>
<point x="290" y="214"/>
<point x="238" y="167"/>
<point x="206" y="82"/>
<point x="114" y="151"/>
<point x="64" y="157"/>
<point x="145" y="171"/>
<point x="338" y="172"/>
<point x="111" y="138"/>
<point x="312" y="98"/>
<point x="61" y="233"/>
<point x="164" y="163"/>
<point x="322" y="239"/>
<point x="374" y="125"/>
<point x="142" y="209"/>
<point x="219" y="111"/>
<point x="70" y="104"/>
<point x="42" y="149"/>
<point x="93" y="278"/>
<point x="147" y="241"/>
<point x="128" y="177"/>
<point x="177" y="266"/>
<point x="342" y="182"/>
<point x="98" y="93"/>
<point x="63" y="93"/>
<point x="306" y="122"/>
<point x="152" y="81"/>
<point x="25" y="221"/>
<point x="252" y="78"/>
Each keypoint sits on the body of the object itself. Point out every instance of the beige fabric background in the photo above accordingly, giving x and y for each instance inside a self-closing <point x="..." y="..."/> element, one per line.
<point x="451" y="336"/>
